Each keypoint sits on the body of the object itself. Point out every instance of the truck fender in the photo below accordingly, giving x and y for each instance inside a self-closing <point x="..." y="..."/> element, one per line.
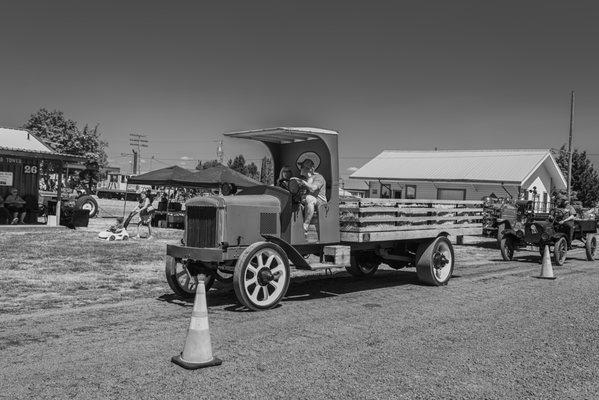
<point x="295" y="257"/>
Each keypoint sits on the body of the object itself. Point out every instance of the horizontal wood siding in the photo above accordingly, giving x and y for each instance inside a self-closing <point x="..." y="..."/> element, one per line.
<point x="399" y="218"/>
<point x="428" y="190"/>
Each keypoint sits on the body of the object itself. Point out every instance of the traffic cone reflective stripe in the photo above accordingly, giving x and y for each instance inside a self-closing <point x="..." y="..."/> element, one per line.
<point x="197" y="352"/>
<point x="547" y="268"/>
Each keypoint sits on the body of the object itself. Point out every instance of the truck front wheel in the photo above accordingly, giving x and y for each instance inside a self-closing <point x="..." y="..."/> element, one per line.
<point x="183" y="278"/>
<point x="261" y="276"/>
<point x="434" y="261"/>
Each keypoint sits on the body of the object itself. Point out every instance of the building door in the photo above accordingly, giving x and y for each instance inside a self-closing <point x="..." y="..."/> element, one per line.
<point x="451" y="194"/>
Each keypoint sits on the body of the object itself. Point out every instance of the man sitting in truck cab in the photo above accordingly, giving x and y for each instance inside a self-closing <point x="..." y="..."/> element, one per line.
<point x="315" y="186"/>
<point x="565" y="217"/>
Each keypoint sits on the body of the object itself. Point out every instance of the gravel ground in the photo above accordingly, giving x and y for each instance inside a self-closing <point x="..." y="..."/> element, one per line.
<point x="494" y="332"/>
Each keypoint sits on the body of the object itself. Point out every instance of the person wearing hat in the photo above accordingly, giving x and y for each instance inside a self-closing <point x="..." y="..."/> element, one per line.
<point x="566" y="214"/>
<point x="315" y="186"/>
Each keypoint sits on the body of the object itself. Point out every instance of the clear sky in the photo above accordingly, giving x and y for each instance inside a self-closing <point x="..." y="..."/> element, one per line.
<point x="386" y="74"/>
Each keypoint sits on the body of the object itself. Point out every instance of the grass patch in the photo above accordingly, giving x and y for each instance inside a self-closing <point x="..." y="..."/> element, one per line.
<point x="50" y="270"/>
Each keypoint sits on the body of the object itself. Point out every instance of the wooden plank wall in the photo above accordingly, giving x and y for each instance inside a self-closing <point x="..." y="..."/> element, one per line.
<point x="381" y="215"/>
<point x="25" y="173"/>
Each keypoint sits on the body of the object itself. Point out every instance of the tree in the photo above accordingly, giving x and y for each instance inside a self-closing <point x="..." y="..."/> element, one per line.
<point x="238" y="164"/>
<point x="63" y="135"/>
<point x="267" y="171"/>
<point x="585" y="179"/>
<point x="207" y="164"/>
<point x="252" y="171"/>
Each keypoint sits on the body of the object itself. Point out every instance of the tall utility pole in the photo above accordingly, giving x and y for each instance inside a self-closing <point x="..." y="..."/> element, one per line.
<point x="139" y="141"/>
<point x="220" y="153"/>
<point x="570" y="146"/>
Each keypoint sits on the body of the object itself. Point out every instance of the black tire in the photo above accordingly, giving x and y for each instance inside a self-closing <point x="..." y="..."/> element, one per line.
<point x="560" y="251"/>
<point x="184" y="281"/>
<point x="591" y="246"/>
<point x="435" y="261"/>
<point x="500" y="228"/>
<point x="87" y="202"/>
<point x="255" y="276"/>
<point x="363" y="265"/>
<point x="507" y="247"/>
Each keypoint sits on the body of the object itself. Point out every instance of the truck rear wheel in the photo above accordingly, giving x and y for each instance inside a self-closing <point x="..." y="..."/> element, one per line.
<point x="363" y="265"/>
<point x="591" y="246"/>
<point x="261" y="276"/>
<point x="434" y="261"/>
<point x="183" y="278"/>
<point x="87" y="202"/>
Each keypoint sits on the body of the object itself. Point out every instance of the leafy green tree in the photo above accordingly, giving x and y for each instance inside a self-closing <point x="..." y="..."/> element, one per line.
<point x="267" y="171"/>
<point x="207" y="164"/>
<point x="252" y="171"/>
<point x="238" y="164"/>
<point x="63" y="135"/>
<point x="585" y="179"/>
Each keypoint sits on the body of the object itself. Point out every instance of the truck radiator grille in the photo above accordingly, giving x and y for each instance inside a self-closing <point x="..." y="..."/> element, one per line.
<point x="268" y="223"/>
<point x="201" y="226"/>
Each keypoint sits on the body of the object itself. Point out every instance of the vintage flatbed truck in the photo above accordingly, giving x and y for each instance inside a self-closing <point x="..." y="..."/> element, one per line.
<point x="255" y="235"/>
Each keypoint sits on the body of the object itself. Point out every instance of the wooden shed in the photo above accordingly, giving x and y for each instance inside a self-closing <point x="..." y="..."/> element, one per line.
<point x="21" y="154"/>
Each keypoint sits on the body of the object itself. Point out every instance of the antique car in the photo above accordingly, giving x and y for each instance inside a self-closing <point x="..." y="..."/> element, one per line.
<point x="252" y="238"/>
<point x="549" y="233"/>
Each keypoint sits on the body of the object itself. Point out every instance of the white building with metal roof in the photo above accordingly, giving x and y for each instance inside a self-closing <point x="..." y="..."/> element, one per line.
<point x="462" y="174"/>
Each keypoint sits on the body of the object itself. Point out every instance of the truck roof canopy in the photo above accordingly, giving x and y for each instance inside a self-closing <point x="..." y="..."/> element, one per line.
<point x="282" y="135"/>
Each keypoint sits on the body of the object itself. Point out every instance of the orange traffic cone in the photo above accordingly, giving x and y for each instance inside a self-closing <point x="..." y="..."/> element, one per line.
<point x="197" y="352"/>
<point x="547" y="269"/>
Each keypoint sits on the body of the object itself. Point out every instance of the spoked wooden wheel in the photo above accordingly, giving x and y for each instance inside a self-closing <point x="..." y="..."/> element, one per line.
<point x="261" y="276"/>
<point x="560" y="251"/>
<point x="183" y="277"/>
<point x="434" y="261"/>
<point x="591" y="246"/>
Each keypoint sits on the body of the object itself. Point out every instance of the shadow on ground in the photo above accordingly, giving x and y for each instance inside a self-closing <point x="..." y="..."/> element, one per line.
<point x="307" y="288"/>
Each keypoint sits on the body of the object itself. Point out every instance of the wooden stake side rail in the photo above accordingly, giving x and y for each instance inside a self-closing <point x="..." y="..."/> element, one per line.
<point x="400" y="219"/>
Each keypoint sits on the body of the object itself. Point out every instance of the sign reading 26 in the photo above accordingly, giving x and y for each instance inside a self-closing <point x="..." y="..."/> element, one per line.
<point x="30" y="169"/>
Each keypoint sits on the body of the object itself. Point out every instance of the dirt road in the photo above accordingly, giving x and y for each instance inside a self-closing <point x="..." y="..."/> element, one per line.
<point x="493" y="332"/>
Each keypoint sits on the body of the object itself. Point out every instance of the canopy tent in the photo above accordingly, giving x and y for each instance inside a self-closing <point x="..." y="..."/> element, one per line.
<point x="215" y="176"/>
<point x="169" y="176"/>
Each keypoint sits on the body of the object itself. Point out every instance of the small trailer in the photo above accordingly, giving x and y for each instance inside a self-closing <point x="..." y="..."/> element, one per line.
<point x="252" y="238"/>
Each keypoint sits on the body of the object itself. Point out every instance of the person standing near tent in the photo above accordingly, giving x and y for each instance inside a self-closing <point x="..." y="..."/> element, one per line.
<point x="146" y="212"/>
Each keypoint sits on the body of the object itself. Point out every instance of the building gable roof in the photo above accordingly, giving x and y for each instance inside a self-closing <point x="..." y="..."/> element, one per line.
<point x="18" y="139"/>
<point x="19" y="142"/>
<point x="483" y="166"/>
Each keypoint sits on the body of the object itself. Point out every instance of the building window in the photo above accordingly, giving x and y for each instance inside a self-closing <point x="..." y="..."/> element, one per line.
<point x="385" y="191"/>
<point x="410" y="191"/>
<point x="451" y="194"/>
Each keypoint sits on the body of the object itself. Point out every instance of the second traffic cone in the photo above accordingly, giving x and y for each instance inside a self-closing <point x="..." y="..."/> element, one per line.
<point x="197" y="352"/>
<point x="547" y="268"/>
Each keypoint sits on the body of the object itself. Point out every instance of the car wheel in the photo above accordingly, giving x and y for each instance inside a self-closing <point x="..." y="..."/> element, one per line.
<point x="560" y="251"/>
<point x="507" y="247"/>
<point x="591" y="246"/>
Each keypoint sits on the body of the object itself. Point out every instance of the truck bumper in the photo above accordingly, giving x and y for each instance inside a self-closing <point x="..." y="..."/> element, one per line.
<point x="204" y="254"/>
